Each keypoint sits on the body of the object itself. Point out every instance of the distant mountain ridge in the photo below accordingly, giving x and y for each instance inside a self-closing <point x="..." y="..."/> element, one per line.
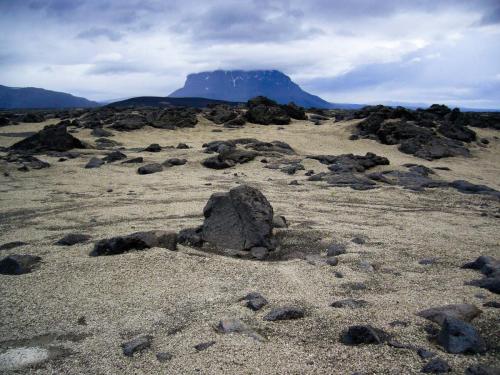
<point x="159" y="101"/>
<point x="242" y="85"/>
<point x="32" y="97"/>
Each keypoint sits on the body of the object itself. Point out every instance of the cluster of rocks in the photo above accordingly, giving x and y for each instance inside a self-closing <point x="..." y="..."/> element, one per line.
<point x="229" y="116"/>
<point x="347" y="170"/>
<point x="432" y="133"/>
<point x="490" y="268"/>
<point x="243" y="150"/>
<point x="264" y="111"/>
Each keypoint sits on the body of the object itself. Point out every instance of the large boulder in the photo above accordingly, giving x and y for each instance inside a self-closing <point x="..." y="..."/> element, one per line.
<point x="240" y="219"/>
<point x="50" y="138"/>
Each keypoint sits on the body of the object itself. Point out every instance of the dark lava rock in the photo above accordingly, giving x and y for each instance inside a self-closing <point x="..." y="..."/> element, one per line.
<point x="100" y="132"/>
<point x="182" y="146"/>
<point x="114" y="156"/>
<point x="436" y="366"/>
<point x="264" y="111"/>
<point x="291" y="169"/>
<point x="482" y="370"/>
<point x="32" y="118"/>
<point x="154" y="147"/>
<point x="18" y="264"/>
<point x="28" y="161"/>
<point x="221" y="113"/>
<point x="350" y="162"/>
<point x="425" y="354"/>
<point x="73" y="239"/>
<point x="139" y="159"/>
<point x="294" y="111"/>
<point x="279" y="222"/>
<point x="12" y="245"/>
<point x="284" y="313"/>
<point x="50" y="138"/>
<point x="480" y="262"/>
<point x="231" y="325"/>
<point x="172" y="118"/>
<point x="490" y="283"/>
<point x="130" y="122"/>
<point x="150" y="168"/>
<point x="465" y="312"/>
<point x="493" y="304"/>
<point x="358" y="240"/>
<point x="350" y="303"/>
<point x="355" y="181"/>
<point x="136" y="345"/>
<point x="103" y="143"/>
<point x="363" y="334"/>
<point x="254" y="301"/>
<point x="215" y="162"/>
<point x="136" y="241"/>
<point x="94" y="163"/>
<point x="336" y="249"/>
<point x="427" y="261"/>
<point x="470" y="188"/>
<point x="457" y="336"/>
<point x="484" y="141"/>
<point x="174" y="162"/>
<point x="164" y="357"/>
<point x="332" y="261"/>
<point x="412" y="180"/>
<point x="191" y="236"/>
<point x="204" y="345"/>
<point x="239" y="220"/>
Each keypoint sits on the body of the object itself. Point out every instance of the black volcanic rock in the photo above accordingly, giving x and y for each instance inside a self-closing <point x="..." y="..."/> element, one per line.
<point x="18" y="264"/>
<point x="264" y="111"/>
<point x="50" y="138"/>
<point x="31" y="97"/>
<point x="136" y="241"/>
<point x="172" y="118"/>
<point x="240" y="219"/>
<point x="240" y="86"/>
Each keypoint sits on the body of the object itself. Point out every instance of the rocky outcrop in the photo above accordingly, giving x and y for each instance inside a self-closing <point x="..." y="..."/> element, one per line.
<point x="50" y="138"/>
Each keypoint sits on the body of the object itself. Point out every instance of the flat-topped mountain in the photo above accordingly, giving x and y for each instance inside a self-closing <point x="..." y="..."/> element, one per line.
<point x="32" y="97"/>
<point x="241" y="85"/>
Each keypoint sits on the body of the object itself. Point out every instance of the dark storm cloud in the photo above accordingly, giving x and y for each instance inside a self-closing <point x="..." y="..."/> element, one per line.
<point x="114" y="68"/>
<point x="491" y="18"/>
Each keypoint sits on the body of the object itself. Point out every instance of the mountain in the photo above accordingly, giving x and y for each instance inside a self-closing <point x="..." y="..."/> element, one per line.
<point x="32" y="97"/>
<point x="241" y="85"/>
<point x="158" y="101"/>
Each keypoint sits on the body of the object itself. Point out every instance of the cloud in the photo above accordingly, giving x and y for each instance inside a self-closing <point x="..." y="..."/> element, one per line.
<point x="344" y="50"/>
<point x="100" y="32"/>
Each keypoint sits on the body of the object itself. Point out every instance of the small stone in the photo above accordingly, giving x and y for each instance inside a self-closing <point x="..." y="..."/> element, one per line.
<point x="82" y="321"/>
<point x="12" y="245"/>
<point x="73" y="239"/>
<point x="138" y="344"/>
<point x="139" y="159"/>
<point x="332" y="261"/>
<point x="494" y="304"/>
<point x="174" y="162"/>
<point x="204" y="345"/>
<point x="436" y="366"/>
<point x="94" y="163"/>
<point x="425" y="354"/>
<point x="427" y="261"/>
<point x="366" y="266"/>
<point x="255" y="301"/>
<point x="358" y="240"/>
<point x="457" y="336"/>
<point x="19" y="264"/>
<point x="182" y="146"/>
<point x="150" y="168"/>
<point x="482" y="370"/>
<point x="279" y="221"/>
<point x="231" y="325"/>
<point x="363" y="334"/>
<point x="164" y="357"/>
<point x="294" y="183"/>
<point x="338" y="274"/>
<point x="465" y="312"/>
<point x="335" y="249"/>
<point x="155" y="147"/>
<point x="284" y="313"/>
<point x="350" y="303"/>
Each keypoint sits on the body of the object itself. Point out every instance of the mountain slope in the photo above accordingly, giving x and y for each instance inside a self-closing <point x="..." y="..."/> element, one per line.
<point x="240" y="85"/>
<point x="31" y="97"/>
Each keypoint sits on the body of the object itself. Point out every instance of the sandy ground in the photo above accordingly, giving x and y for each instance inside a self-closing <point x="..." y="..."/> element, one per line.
<point x="179" y="296"/>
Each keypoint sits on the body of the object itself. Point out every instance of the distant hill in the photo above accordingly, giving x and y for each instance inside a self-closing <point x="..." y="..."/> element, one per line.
<point x="32" y="97"/>
<point x="241" y="85"/>
<point x="158" y="101"/>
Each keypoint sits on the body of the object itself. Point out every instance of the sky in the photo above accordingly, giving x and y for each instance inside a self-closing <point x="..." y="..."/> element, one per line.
<point x="346" y="51"/>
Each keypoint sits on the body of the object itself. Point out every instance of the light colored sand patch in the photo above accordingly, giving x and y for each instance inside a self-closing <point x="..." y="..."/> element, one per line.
<point x="18" y="358"/>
